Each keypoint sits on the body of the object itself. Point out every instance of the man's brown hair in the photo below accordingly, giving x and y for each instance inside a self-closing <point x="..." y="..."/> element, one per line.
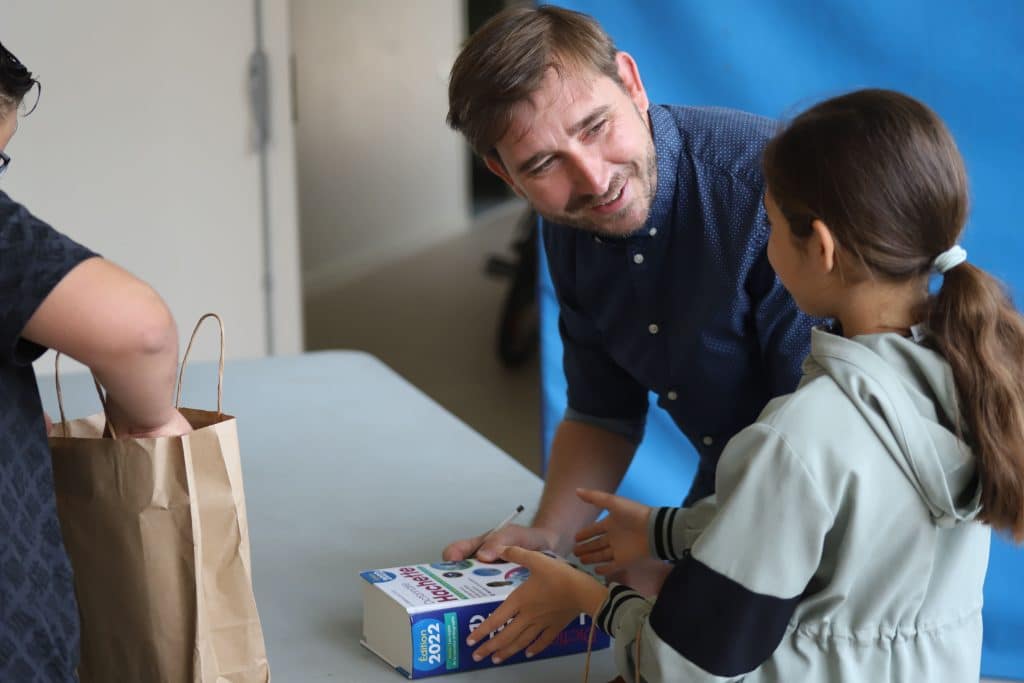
<point x="506" y="60"/>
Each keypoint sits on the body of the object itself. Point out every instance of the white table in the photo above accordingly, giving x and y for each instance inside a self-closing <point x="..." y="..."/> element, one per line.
<point x="349" y="467"/>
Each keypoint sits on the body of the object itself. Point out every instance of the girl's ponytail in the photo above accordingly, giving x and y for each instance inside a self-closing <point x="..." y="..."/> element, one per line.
<point x="981" y="335"/>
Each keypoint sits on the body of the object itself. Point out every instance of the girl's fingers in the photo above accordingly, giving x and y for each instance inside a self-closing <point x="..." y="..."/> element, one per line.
<point x="495" y="621"/>
<point x="507" y="636"/>
<point x="597" y="529"/>
<point x="527" y="558"/>
<point x="597" y="498"/>
<point x="602" y="556"/>
<point x="524" y="637"/>
<point x="591" y="546"/>
<point x="546" y="637"/>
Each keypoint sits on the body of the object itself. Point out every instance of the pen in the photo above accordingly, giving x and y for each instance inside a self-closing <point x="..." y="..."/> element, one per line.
<point x="504" y="523"/>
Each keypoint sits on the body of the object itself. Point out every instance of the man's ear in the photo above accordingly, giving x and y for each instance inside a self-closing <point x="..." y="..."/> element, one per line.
<point x="495" y="165"/>
<point x="629" y="74"/>
<point x="821" y="247"/>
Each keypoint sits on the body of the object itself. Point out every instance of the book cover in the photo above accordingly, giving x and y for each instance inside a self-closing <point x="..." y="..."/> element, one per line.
<point x="417" y="617"/>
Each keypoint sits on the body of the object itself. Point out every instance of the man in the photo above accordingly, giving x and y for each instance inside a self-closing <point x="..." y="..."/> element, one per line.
<point x="56" y="294"/>
<point x="655" y="235"/>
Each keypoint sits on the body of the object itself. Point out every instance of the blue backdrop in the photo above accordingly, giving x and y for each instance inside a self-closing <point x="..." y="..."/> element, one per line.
<point x="965" y="60"/>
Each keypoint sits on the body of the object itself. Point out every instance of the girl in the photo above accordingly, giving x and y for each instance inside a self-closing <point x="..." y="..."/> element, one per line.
<point x="848" y="538"/>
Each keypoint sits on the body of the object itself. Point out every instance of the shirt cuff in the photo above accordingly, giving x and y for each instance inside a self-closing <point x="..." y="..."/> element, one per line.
<point x="671" y="532"/>
<point x="622" y="611"/>
<point x="630" y="429"/>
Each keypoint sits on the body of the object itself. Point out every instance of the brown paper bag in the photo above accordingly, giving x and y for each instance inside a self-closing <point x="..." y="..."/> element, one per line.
<point x="157" y="534"/>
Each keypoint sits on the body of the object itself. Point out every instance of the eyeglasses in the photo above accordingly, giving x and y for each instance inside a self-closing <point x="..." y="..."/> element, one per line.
<point x="30" y="100"/>
<point x="5" y="161"/>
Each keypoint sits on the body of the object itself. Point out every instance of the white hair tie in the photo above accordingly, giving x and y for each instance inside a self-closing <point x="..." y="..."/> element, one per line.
<point x="951" y="258"/>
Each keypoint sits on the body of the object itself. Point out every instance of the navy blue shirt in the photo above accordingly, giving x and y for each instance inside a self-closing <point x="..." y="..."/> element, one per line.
<point x="38" y="613"/>
<point x="687" y="307"/>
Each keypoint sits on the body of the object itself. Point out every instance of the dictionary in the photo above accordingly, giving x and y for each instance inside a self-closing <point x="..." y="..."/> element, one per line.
<point x="417" y="617"/>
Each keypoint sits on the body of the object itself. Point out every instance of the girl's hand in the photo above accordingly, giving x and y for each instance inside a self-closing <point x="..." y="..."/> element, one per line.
<point x="617" y="540"/>
<point x="553" y="595"/>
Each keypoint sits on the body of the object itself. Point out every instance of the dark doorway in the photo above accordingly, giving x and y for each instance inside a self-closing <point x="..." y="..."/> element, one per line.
<point x="486" y="189"/>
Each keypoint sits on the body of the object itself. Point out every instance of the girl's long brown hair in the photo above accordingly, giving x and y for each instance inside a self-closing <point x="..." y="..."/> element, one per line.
<point x="883" y="172"/>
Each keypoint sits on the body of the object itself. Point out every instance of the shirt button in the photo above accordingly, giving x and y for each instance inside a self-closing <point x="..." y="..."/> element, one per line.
<point x="672" y="395"/>
<point x="638" y="258"/>
<point x="597" y="239"/>
<point x="652" y="232"/>
<point x="707" y="441"/>
<point x="653" y="328"/>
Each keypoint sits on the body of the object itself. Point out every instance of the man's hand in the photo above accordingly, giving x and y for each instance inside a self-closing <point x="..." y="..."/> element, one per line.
<point x="617" y="541"/>
<point x="554" y="595"/>
<point x="532" y="538"/>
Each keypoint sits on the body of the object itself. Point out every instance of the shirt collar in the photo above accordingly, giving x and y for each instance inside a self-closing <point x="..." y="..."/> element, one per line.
<point x="666" y="145"/>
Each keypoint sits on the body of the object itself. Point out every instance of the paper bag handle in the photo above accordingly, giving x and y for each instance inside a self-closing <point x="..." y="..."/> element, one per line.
<point x="220" y="366"/>
<point x="60" y="399"/>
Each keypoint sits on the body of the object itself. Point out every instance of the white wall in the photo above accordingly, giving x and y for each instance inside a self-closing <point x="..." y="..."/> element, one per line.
<point x="380" y="175"/>
<point x="142" y="148"/>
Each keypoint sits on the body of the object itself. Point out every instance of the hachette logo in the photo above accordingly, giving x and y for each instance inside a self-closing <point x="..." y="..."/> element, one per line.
<point x="440" y="593"/>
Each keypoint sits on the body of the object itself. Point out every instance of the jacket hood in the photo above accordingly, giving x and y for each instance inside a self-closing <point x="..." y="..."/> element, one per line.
<point x="907" y="394"/>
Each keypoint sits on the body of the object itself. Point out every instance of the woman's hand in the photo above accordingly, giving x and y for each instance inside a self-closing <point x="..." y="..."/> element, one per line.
<point x="534" y="614"/>
<point x="174" y="425"/>
<point x="617" y="540"/>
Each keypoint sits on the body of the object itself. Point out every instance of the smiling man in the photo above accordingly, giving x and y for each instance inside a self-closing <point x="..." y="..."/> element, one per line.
<point x="580" y="150"/>
<point x="655" y="235"/>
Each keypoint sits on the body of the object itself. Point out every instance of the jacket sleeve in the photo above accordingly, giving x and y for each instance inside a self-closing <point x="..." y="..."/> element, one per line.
<point x="624" y="615"/>
<point x="727" y="603"/>
<point x="671" y="532"/>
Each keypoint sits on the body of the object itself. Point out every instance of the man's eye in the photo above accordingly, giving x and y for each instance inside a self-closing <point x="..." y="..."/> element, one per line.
<point x="596" y="128"/>
<point x="540" y="168"/>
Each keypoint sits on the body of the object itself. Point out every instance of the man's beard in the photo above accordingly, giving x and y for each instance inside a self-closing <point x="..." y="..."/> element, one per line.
<point x="577" y="215"/>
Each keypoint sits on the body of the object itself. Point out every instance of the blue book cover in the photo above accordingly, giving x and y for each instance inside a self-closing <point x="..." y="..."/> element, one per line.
<point x="417" y="617"/>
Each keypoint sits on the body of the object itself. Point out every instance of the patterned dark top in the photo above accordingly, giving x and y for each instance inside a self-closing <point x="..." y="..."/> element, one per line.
<point x="38" y="613"/>
<point x="687" y="307"/>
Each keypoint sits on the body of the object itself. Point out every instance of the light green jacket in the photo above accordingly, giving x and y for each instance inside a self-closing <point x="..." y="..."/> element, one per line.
<point x="851" y="501"/>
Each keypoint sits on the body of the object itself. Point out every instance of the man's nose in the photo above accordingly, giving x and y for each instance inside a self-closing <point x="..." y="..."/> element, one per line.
<point x="592" y="175"/>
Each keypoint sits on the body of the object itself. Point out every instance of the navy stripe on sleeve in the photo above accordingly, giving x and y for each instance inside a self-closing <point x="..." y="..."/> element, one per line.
<point x="717" y="623"/>
<point x="664" y="521"/>
<point x="618" y="596"/>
